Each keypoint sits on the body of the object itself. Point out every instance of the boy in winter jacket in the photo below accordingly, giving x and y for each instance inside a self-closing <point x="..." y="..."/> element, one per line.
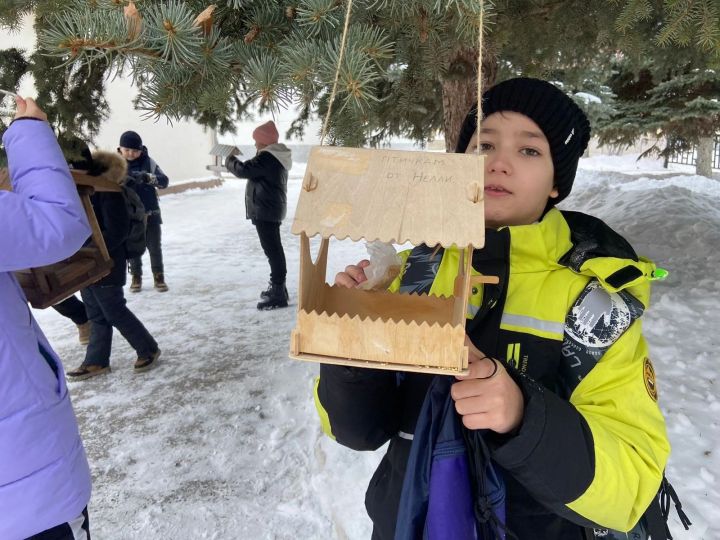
<point x="559" y="381"/>
<point x="147" y="177"/>
<point x="104" y="300"/>
<point x="266" y="204"/>
<point x="44" y="474"/>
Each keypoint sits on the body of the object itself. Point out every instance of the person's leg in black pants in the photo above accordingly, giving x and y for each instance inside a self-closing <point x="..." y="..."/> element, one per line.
<point x="269" y="235"/>
<point x="153" y="239"/>
<point x="73" y="309"/>
<point x="271" y="243"/>
<point x="98" y="351"/>
<point x="135" y="266"/>
<point x="111" y="300"/>
<point x="107" y="308"/>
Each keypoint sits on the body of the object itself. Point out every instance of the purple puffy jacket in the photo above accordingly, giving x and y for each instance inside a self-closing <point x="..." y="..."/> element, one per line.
<point x="44" y="474"/>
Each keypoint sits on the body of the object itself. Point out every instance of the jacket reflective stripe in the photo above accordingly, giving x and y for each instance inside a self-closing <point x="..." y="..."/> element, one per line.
<point x="525" y="321"/>
<point x="324" y="418"/>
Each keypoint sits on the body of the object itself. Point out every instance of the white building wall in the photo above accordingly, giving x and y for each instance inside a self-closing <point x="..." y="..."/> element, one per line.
<point x="181" y="149"/>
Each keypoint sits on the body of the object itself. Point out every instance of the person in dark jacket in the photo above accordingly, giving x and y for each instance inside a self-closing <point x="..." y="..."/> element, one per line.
<point x="266" y="204"/>
<point x="560" y="385"/>
<point x="147" y="178"/>
<point x="105" y="300"/>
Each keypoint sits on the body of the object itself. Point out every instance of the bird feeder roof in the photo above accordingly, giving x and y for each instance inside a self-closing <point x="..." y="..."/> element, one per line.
<point x="392" y="196"/>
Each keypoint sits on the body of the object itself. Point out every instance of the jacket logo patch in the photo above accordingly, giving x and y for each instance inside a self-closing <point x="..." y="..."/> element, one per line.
<point x="598" y="318"/>
<point x="649" y="377"/>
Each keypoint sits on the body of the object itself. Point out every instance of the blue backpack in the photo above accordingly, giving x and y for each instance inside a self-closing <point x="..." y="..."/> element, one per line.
<point x="448" y="492"/>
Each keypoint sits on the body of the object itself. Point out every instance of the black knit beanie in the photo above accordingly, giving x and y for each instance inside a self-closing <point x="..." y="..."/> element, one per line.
<point x="132" y="140"/>
<point x="561" y="120"/>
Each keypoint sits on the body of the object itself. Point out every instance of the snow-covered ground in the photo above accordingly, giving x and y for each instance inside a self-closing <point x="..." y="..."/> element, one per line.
<point x="221" y="440"/>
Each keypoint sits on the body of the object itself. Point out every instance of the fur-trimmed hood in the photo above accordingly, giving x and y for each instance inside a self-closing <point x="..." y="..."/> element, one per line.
<point x="109" y="166"/>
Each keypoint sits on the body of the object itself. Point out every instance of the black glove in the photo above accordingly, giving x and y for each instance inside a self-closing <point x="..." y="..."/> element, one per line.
<point x="150" y="179"/>
<point x="144" y="177"/>
<point x="229" y="162"/>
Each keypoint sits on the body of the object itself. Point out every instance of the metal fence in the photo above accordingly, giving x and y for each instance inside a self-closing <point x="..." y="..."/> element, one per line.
<point x="689" y="157"/>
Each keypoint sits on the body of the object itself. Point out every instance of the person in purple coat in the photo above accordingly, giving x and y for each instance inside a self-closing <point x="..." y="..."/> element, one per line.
<point x="44" y="473"/>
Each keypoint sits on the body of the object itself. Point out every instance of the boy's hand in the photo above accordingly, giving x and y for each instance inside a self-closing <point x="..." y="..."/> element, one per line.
<point x="27" y="108"/>
<point x="353" y="275"/>
<point x="487" y="398"/>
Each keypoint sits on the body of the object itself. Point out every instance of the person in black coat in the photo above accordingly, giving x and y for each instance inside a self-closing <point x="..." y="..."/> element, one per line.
<point x="266" y="204"/>
<point x="147" y="177"/>
<point x="105" y="300"/>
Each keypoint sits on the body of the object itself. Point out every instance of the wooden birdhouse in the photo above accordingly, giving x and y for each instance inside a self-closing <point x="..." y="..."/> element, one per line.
<point x="220" y="153"/>
<point x="395" y="197"/>
<point x="48" y="285"/>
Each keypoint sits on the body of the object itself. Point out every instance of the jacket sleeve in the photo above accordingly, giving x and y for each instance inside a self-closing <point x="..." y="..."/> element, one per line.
<point x="598" y="458"/>
<point x="357" y="407"/>
<point x="42" y="221"/>
<point x="252" y="169"/>
<point x="162" y="180"/>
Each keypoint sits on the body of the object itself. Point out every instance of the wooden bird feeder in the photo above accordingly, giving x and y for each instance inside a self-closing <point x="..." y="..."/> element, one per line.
<point x="220" y="152"/>
<point x="48" y="285"/>
<point x="395" y="197"/>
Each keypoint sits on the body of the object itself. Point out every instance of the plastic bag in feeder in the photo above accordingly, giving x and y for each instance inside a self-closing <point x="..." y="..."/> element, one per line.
<point x="384" y="266"/>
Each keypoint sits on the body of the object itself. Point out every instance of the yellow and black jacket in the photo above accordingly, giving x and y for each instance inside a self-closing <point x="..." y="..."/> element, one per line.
<point x="565" y="319"/>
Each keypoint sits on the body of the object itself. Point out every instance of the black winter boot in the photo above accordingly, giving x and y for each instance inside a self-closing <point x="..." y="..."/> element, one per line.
<point x="266" y="292"/>
<point x="277" y="297"/>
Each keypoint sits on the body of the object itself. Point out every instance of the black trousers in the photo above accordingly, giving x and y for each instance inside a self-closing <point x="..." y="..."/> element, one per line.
<point x="153" y="240"/>
<point x="73" y="309"/>
<point x="107" y="308"/>
<point x="269" y="234"/>
<point x="77" y="529"/>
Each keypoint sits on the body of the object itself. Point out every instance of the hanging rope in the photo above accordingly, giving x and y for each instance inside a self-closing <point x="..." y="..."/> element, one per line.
<point x="478" y="116"/>
<point x="337" y="72"/>
<point x="479" y="69"/>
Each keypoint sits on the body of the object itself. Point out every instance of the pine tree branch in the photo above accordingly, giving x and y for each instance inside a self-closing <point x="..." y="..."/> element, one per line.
<point x="211" y="65"/>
